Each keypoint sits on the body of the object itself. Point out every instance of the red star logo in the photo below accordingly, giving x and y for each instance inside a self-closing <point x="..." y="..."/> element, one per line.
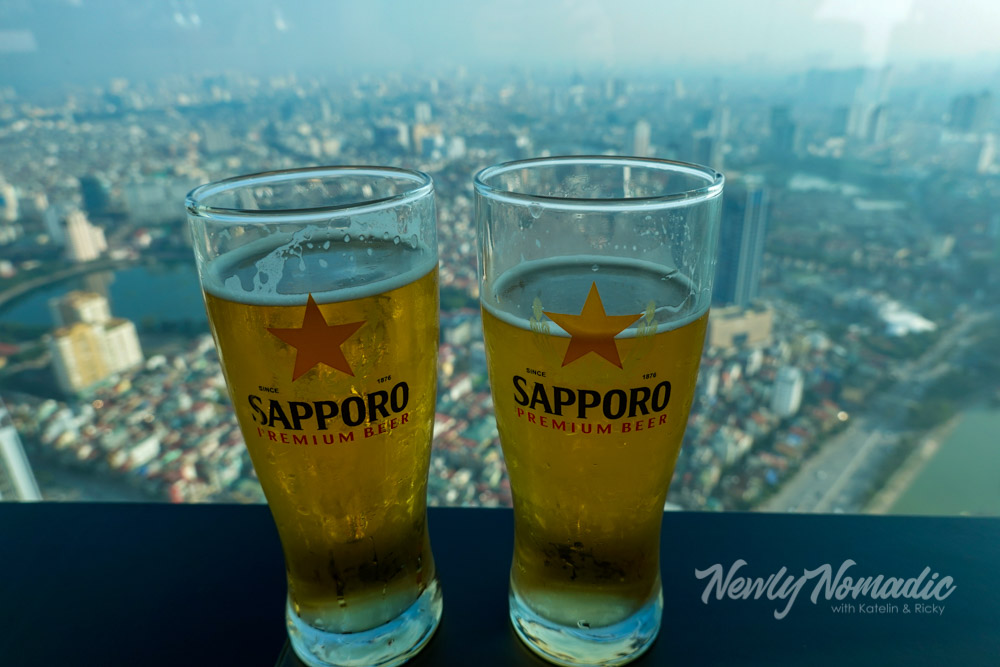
<point x="593" y="330"/>
<point x="317" y="342"/>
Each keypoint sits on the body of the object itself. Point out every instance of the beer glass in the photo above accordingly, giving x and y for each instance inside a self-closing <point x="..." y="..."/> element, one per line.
<point x="595" y="281"/>
<point x="321" y="287"/>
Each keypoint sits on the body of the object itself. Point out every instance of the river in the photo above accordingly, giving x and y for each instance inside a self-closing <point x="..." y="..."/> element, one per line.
<point x="963" y="475"/>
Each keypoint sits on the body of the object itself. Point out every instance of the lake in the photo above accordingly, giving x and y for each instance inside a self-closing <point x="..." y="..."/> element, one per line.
<point x="143" y="294"/>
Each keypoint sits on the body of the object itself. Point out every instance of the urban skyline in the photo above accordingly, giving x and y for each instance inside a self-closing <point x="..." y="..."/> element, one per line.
<point x="862" y="322"/>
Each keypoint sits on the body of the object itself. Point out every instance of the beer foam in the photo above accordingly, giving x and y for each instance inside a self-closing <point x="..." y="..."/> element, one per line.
<point x="331" y="267"/>
<point x="616" y="278"/>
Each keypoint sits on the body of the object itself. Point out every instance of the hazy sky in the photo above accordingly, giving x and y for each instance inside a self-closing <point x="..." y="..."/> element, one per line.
<point x="50" y="42"/>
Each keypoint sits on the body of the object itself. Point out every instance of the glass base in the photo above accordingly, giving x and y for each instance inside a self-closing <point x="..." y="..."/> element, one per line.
<point x="385" y="646"/>
<point x="614" y="644"/>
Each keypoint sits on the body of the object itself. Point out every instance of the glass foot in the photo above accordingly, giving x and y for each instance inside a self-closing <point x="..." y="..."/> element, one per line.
<point x="614" y="644"/>
<point x="385" y="646"/>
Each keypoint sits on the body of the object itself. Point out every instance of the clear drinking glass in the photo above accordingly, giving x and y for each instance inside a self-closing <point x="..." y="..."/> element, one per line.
<point x="321" y="287"/>
<point x="595" y="281"/>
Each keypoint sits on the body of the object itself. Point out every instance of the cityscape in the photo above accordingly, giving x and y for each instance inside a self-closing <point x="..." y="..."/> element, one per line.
<point x="855" y="320"/>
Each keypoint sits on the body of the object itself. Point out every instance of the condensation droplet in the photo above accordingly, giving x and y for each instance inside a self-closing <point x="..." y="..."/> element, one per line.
<point x="369" y="251"/>
<point x="395" y="240"/>
<point x="385" y="236"/>
<point x="361" y="237"/>
<point x="347" y="238"/>
<point x="595" y="267"/>
<point x="322" y="262"/>
<point x="538" y="243"/>
<point x="535" y="210"/>
<point x="309" y="245"/>
<point x="326" y="246"/>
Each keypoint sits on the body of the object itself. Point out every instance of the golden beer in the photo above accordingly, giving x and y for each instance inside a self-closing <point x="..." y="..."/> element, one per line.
<point x="595" y="278"/>
<point x="335" y="397"/>
<point x="591" y="421"/>
<point x="321" y="287"/>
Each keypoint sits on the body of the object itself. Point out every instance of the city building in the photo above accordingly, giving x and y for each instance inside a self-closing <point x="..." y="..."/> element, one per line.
<point x="90" y="345"/>
<point x="971" y="113"/>
<point x="8" y="202"/>
<point x="17" y="481"/>
<point x="84" y="242"/>
<point x="79" y="307"/>
<point x="783" y="131"/>
<point x="733" y="326"/>
<point x="96" y="195"/>
<point x="788" y="386"/>
<point x="741" y="243"/>
<point x="641" y="136"/>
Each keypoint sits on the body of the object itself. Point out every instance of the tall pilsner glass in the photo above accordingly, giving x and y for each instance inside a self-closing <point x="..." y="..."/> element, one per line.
<point x="595" y="280"/>
<point x="321" y="287"/>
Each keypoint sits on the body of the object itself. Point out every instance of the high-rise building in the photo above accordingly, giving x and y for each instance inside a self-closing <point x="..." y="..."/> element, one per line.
<point x="641" y="136"/>
<point x="8" y="202"/>
<point x="96" y="195"/>
<point x="84" y="241"/>
<point x="788" y="385"/>
<point x="741" y="242"/>
<point x="783" y="131"/>
<point x="706" y="149"/>
<point x="17" y="481"/>
<point x="422" y="112"/>
<point x="79" y="307"/>
<point x="90" y="345"/>
<point x="877" y="124"/>
<point x="971" y="113"/>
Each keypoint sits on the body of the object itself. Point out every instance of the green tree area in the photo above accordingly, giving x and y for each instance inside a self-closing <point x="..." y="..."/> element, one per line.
<point x="903" y="347"/>
<point x="975" y="374"/>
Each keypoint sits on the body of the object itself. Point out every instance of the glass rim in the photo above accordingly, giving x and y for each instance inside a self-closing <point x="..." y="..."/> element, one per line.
<point x="714" y="181"/>
<point x="194" y="202"/>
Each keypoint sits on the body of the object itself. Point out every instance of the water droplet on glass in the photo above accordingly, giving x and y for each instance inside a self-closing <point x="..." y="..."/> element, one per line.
<point x="322" y="262"/>
<point x="361" y="238"/>
<point x="595" y="267"/>
<point x="538" y="243"/>
<point x="326" y="246"/>
<point x="535" y="210"/>
<point x="395" y="240"/>
<point x="369" y="252"/>
<point x="309" y="245"/>
<point x="385" y="236"/>
<point x="347" y="238"/>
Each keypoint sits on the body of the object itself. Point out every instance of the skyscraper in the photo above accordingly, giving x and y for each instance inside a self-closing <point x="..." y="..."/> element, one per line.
<point x="90" y="345"/>
<point x="783" y="131"/>
<point x="17" y="482"/>
<point x="85" y="242"/>
<point x="788" y="387"/>
<point x="971" y="113"/>
<point x="741" y="242"/>
<point x="641" y="136"/>
<point x="78" y="306"/>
